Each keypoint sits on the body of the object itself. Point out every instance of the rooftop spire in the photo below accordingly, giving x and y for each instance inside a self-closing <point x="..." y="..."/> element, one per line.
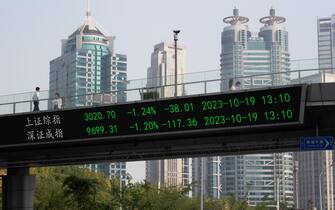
<point x="273" y="4"/>
<point x="88" y="11"/>
<point x="272" y="18"/>
<point x="235" y="18"/>
<point x="89" y="26"/>
<point x="236" y="4"/>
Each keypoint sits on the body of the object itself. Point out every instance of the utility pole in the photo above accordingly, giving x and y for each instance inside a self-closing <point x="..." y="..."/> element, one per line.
<point x="120" y="180"/>
<point x="278" y="193"/>
<point x="202" y="185"/>
<point x="175" y="36"/>
<point x="323" y="171"/>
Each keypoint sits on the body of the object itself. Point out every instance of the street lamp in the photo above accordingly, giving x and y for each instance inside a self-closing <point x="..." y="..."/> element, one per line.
<point x="175" y="36"/>
<point x="320" y="175"/>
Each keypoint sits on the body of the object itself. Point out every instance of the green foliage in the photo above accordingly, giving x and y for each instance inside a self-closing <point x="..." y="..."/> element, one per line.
<point x="76" y="188"/>
<point x="63" y="187"/>
<point x="48" y="191"/>
<point x="80" y="192"/>
<point x="261" y="206"/>
<point x="214" y="204"/>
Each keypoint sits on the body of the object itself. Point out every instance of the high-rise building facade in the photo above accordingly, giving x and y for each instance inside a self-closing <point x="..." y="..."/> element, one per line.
<point x="88" y="65"/>
<point x="315" y="180"/>
<point x="244" y="54"/>
<point x="161" y="74"/>
<point x="315" y="171"/>
<point x="326" y="43"/>
<point x="207" y="176"/>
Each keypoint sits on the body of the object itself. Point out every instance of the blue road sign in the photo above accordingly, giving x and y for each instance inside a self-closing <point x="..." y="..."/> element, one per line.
<point x="316" y="143"/>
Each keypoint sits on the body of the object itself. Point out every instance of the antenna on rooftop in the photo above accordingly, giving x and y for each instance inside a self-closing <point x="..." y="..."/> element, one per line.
<point x="88" y="11"/>
<point x="273" y="4"/>
<point x="235" y="18"/>
<point x="272" y="18"/>
<point x="236" y="4"/>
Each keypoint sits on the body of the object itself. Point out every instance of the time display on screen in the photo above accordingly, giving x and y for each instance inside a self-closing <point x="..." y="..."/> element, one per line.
<point x="240" y="109"/>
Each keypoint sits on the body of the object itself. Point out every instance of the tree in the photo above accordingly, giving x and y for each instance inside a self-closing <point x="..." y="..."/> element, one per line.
<point x="261" y="206"/>
<point x="214" y="204"/>
<point x="80" y="191"/>
<point x="50" y="188"/>
<point x="230" y="202"/>
<point x="77" y="188"/>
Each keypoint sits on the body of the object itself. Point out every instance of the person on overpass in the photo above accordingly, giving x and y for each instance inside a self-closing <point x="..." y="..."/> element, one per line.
<point x="237" y="85"/>
<point x="57" y="102"/>
<point x="36" y="99"/>
<point x="232" y="86"/>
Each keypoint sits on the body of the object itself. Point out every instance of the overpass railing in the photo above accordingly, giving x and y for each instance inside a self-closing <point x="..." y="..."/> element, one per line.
<point x="189" y="84"/>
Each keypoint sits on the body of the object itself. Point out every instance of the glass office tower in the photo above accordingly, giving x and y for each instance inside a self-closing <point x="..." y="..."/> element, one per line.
<point x="89" y="72"/>
<point x="259" y="176"/>
<point x="88" y="65"/>
<point x="245" y="54"/>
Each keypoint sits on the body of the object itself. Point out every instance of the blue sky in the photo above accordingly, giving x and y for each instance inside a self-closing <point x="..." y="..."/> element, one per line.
<point x="31" y="32"/>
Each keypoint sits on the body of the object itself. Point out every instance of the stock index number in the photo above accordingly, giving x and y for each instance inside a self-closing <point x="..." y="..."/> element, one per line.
<point x="100" y="130"/>
<point x="176" y="108"/>
<point x="96" y="116"/>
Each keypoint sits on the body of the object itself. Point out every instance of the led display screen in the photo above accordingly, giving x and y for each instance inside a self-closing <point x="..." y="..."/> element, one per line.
<point x="203" y="113"/>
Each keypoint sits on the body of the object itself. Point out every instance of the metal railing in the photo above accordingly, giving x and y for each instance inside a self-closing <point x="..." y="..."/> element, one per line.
<point x="137" y="90"/>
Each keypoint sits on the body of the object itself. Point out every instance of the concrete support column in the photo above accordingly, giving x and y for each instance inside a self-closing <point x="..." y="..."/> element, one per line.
<point x="18" y="189"/>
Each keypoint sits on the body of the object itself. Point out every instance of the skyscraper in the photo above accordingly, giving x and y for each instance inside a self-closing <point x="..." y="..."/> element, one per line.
<point x="315" y="180"/>
<point x="162" y="69"/>
<point x="88" y="65"/>
<point x="207" y="177"/>
<point x="326" y="43"/>
<point x="315" y="171"/>
<point x="246" y="54"/>
<point x="256" y="177"/>
<point x="161" y="73"/>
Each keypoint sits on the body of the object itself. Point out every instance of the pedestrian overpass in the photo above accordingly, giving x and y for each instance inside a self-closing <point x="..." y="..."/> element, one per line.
<point x="259" y="120"/>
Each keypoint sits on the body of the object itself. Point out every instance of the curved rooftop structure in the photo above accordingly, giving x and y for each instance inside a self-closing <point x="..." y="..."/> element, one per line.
<point x="89" y="26"/>
<point x="272" y="19"/>
<point x="236" y="18"/>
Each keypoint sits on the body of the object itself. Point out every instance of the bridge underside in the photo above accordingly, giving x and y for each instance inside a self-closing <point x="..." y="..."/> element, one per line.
<point x="319" y="120"/>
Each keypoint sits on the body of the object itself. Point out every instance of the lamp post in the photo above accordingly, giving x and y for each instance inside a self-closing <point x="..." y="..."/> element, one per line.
<point x="320" y="188"/>
<point x="175" y="37"/>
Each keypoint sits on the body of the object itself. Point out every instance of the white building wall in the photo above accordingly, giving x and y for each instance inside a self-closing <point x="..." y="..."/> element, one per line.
<point x="162" y="69"/>
<point x="161" y="73"/>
